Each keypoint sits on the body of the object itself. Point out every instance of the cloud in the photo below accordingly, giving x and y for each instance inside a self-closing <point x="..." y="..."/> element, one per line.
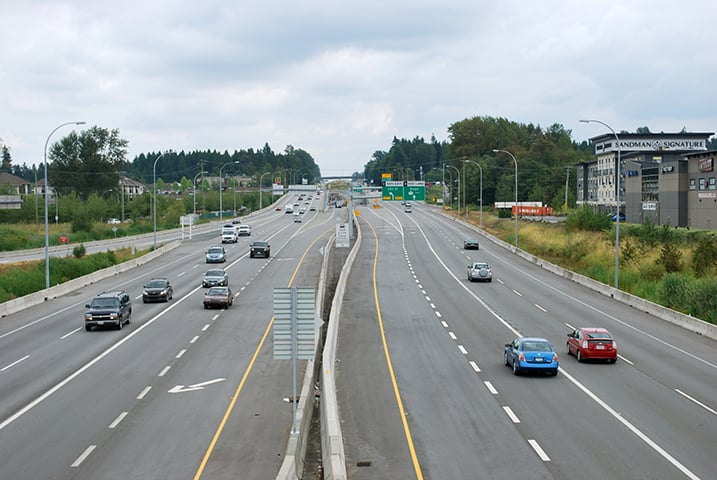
<point x="340" y="81"/>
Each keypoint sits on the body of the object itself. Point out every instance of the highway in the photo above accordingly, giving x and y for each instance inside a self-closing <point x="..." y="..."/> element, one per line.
<point x="424" y="393"/>
<point x="180" y="392"/>
<point x="183" y="392"/>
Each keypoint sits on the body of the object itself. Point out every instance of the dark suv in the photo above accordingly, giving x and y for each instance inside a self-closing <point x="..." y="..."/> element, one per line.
<point x="260" y="249"/>
<point x="108" y="309"/>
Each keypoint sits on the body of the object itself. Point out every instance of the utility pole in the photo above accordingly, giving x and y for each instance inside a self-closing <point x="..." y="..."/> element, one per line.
<point x="567" y="178"/>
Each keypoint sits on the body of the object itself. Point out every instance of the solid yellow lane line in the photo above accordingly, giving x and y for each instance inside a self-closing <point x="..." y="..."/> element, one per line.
<point x="402" y="412"/>
<point x="230" y="408"/>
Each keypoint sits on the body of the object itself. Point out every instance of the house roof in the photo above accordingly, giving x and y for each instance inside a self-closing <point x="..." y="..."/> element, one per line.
<point x="10" y="179"/>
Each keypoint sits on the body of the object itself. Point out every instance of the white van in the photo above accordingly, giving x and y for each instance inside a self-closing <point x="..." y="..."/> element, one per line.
<point x="229" y="234"/>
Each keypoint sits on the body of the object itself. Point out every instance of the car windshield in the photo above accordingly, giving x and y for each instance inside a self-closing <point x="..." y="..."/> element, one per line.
<point x="536" y="347"/>
<point x="156" y="284"/>
<point x="105" y="303"/>
<point x="217" y="291"/>
<point x="215" y="250"/>
<point x="260" y="244"/>
<point x="214" y="273"/>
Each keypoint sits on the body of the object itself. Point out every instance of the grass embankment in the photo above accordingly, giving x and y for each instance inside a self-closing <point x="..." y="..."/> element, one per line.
<point x="664" y="266"/>
<point x="19" y="279"/>
<point x="22" y="236"/>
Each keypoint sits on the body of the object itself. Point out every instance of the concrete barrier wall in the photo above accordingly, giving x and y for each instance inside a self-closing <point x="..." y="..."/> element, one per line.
<point x="37" y="298"/>
<point x="292" y="467"/>
<point x="332" y="443"/>
<point x="663" y="313"/>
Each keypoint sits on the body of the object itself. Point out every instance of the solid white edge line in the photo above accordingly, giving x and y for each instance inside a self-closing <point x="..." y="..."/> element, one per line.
<point x="541" y="453"/>
<point x="84" y="455"/>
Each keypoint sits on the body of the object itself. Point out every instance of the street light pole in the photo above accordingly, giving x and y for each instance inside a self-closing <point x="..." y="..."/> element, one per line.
<point x="458" y="176"/>
<point x="194" y="184"/>
<point x="47" y="225"/>
<point x="221" y="189"/>
<point x="154" y="195"/>
<point x="617" y="200"/>
<point x="481" y="187"/>
<point x="516" y="193"/>
<point x="261" y="177"/>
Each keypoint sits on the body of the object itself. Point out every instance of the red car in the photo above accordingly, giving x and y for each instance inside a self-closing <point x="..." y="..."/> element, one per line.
<point x="592" y="342"/>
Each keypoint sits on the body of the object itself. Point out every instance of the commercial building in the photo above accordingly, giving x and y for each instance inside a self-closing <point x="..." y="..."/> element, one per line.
<point x="665" y="178"/>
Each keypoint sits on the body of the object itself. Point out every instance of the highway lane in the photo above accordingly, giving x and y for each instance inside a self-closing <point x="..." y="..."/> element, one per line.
<point x="107" y="404"/>
<point x="572" y="423"/>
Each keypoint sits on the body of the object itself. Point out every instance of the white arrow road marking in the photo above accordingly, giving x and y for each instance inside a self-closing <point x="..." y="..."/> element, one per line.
<point x="196" y="386"/>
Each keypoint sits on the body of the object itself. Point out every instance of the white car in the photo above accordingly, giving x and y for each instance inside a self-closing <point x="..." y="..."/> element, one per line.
<point x="480" y="272"/>
<point x="244" y="230"/>
<point x="114" y="221"/>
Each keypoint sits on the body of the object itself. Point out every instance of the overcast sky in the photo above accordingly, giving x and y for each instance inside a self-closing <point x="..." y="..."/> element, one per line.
<point x="340" y="79"/>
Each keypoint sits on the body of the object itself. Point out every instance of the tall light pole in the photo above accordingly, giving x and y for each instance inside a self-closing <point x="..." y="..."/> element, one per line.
<point x="221" y="188"/>
<point x="481" y="187"/>
<point x="154" y="195"/>
<point x="617" y="200"/>
<point x="194" y="184"/>
<point x="47" y="225"/>
<point x="458" y="175"/>
<point x="516" y="192"/>
<point x="261" y="178"/>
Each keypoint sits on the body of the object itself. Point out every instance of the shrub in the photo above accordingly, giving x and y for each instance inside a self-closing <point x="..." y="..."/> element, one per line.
<point x="79" y="251"/>
<point x="704" y="256"/>
<point x="586" y="219"/>
<point x="670" y="258"/>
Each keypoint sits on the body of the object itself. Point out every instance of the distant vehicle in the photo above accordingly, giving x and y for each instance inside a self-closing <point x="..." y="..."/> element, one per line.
<point x="218" y="297"/>
<point x="614" y="217"/>
<point x="471" y="245"/>
<point x="216" y="255"/>
<point x="480" y="272"/>
<point x="156" y="290"/>
<point x="215" y="277"/>
<point x="289" y="209"/>
<point x="312" y="208"/>
<point x="592" y="342"/>
<point x="229" y="234"/>
<point x="112" y="309"/>
<point x="408" y="208"/>
<point x="244" y="229"/>
<point x="297" y="218"/>
<point x="260" y="249"/>
<point x="114" y="221"/>
<point x="531" y="354"/>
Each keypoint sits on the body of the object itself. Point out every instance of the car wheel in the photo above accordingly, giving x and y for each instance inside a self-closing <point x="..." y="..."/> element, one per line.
<point x="578" y="355"/>
<point x="612" y="360"/>
<point x="554" y="373"/>
<point x="505" y="359"/>
<point x="206" y="306"/>
<point x="567" y="344"/>
<point x="516" y="369"/>
<point x="88" y="328"/>
<point x="119" y="324"/>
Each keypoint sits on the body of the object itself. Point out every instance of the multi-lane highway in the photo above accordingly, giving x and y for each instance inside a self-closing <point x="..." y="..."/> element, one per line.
<point x="424" y="393"/>
<point x="180" y="392"/>
<point x="184" y="392"/>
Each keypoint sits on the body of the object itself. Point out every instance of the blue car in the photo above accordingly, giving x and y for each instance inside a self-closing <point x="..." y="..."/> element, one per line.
<point x="531" y="354"/>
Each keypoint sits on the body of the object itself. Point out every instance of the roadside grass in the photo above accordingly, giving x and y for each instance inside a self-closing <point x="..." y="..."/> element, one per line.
<point x="655" y="263"/>
<point x="23" y="278"/>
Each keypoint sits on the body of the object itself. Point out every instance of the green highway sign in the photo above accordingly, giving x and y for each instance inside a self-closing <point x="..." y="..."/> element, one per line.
<point x="413" y="191"/>
<point x="392" y="191"/>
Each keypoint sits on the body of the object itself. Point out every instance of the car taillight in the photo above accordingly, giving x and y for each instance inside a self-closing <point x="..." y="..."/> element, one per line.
<point x="585" y="344"/>
<point x="521" y="357"/>
<point x="614" y="344"/>
<point x="555" y="357"/>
